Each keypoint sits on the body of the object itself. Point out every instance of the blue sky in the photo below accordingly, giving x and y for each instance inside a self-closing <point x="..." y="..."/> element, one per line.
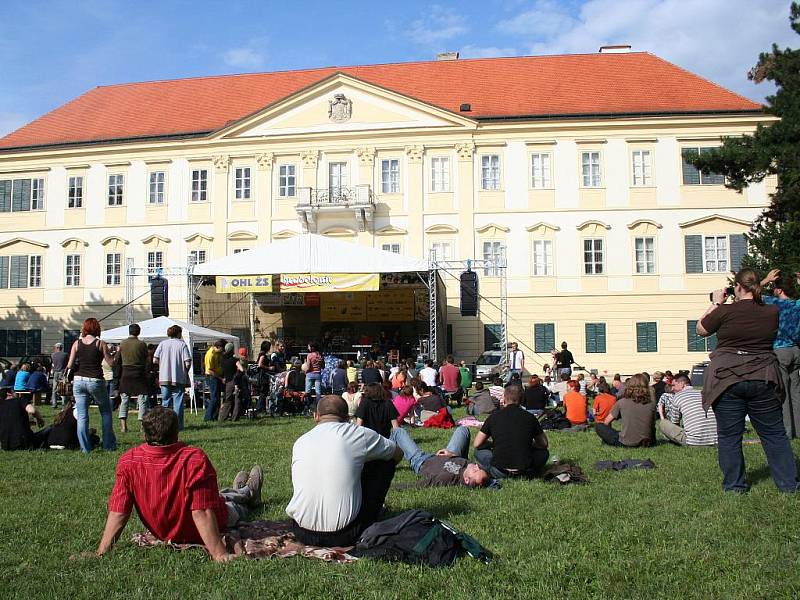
<point x="52" y="51"/>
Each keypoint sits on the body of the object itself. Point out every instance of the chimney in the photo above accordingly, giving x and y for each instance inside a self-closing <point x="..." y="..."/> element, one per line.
<point x="447" y="56"/>
<point x="618" y="49"/>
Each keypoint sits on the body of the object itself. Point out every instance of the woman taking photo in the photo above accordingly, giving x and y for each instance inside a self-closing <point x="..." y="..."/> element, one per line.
<point x="90" y="351"/>
<point x="743" y="379"/>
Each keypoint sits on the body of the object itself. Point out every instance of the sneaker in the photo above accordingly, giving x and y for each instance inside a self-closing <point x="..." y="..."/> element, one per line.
<point x="240" y="480"/>
<point x="254" y="481"/>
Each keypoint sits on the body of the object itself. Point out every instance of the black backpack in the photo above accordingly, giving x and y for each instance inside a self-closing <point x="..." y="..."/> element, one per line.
<point x="417" y="537"/>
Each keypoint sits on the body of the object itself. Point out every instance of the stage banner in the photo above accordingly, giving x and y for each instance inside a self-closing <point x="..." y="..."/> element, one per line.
<point x="343" y="306"/>
<point x="390" y="305"/>
<point x="243" y="283"/>
<point x="329" y="282"/>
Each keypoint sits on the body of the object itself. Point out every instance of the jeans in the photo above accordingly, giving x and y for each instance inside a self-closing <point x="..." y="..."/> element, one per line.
<point x="238" y="503"/>
<point x="789" y="360"/>
<point x="608" y="434"/>
<point x="539" y="459"/>
<point x="172" y="397"/>
<point x="458" y="445"/>
<point x="84" y="390"/>
<point x="564" y="371"/>
<point x="142" y="401"/>
<point x="212" y="408"/>
<point x="314" y="379"/>
<point x="57" y="377"/>
<point x="759" y="401"/>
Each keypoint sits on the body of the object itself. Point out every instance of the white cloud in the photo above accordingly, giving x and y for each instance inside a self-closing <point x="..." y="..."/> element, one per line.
<point x="439" y="25"/>
<point x="471" y="51"/>
<point x="10" y="121"/>
<point x="243" y="58"/>
<point x="718" y="39"/>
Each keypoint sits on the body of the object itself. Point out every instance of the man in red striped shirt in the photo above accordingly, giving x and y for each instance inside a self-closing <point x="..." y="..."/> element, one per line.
<point x="174" y="489"/>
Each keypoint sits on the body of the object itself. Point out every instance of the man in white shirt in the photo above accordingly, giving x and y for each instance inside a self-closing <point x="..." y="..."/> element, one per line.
<point x="516" y="361"/>
<point x="428" y="374"/>
<point x="341" y="474"/>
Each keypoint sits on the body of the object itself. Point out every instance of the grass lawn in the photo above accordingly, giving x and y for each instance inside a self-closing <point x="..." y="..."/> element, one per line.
<point x="666" y="533"/>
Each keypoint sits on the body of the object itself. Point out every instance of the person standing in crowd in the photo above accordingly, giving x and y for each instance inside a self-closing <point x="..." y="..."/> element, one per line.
<point x="265" y="378"/>
<point x="466" y="378"/>
<point x="516" y="360"/>
<point x="699" y="426"/>
<point x="339" y="379"/>
<point x="603" y="402"/>
<point x="450" y="379"/>
<point x="564" y="361"/>
<point x="58" y="360"/>
<point x="232" y="373"/>
<point x="784" y="291"/>
<point x="88" y="384"/>
<point x="536" y="396"/>
<point x="315" y="364"/>
<point x="744" y="379"/>
<point x="213" y="372"/>
<point x="174" y="361"/>
<point x="637" y="410"/>
<point x="135" y="376"/>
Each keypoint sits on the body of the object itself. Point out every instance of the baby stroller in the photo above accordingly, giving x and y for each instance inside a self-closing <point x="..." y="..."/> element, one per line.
<point x="288" y="400"/>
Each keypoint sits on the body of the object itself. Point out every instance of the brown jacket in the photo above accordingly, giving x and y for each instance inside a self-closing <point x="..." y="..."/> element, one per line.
<point x="729" y="366"/>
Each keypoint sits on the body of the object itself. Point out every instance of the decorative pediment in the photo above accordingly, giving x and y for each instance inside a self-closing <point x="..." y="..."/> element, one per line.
<point x="640" y="222"/>
<point x="73" y="241"/>
<point x="155" y="238"/>
<point x="241" y="236"/>
<point x="340" y="232"/>
<point x="391" y="230"/>
<point x="284" y="234"/>
<point x="442" y="228"/>
<point x="198" y="237"/>
<point x="343" y="103"/>
<point x="492" y="229"/>
<point x="595" y="223"/>
<point x="111" y="239"/>
<point x="542" y="226"/>
<point x="19" y="240"/>
<point x="714" y="217"/>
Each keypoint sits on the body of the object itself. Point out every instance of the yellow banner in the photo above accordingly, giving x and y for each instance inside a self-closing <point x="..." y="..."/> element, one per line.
<point x="390" y="305"/>
<point x="329" y="282"/>
<point x="343" y="306"/>
<point x="243" y="283"/>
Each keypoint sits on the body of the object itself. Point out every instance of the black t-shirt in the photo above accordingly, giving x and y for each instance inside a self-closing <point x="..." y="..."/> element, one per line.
<point x="371" y="375"/>
<point x="15" y="426"/>
<point x="536" y="397"/>
<point x="377" y="415"/>
<point x="659" y="389"/>
<point x="564" y="359"/>
<point x="512" y="430"/>
<point x="65" y="433"/>
<point x="229" y="367"/>
<point x="277" y="362"/>
<point x="296" y="381"/>
<point x="433" y="403"/>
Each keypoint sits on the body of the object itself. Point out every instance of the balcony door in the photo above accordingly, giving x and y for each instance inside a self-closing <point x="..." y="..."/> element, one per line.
<point x="337" y="182"/>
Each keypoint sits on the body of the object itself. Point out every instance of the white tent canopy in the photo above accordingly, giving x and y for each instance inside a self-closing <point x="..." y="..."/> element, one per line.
<point x="311" y="253"/>
<point x="155" y="330"/>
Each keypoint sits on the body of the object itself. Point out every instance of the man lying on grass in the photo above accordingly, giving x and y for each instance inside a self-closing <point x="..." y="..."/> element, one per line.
<point x="449" y="466"/>
<point x="174" y="489"/>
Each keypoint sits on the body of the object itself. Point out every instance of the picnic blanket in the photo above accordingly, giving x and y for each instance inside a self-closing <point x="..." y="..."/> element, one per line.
<point x="256" y="540"/>
<point x="469" y="422"/>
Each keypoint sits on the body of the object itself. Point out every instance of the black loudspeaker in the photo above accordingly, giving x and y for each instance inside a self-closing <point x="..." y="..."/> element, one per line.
<point x="469" y="294"/>
<point x="159" y="297"/>
<point x="698" y="375"/>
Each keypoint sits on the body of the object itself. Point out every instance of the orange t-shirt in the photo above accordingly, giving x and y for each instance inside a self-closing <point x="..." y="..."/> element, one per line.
<point x="575" y="404"/>
<point x="602" y="406"/>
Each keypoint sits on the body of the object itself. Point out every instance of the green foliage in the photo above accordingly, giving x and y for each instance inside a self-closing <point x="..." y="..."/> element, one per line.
<point x="666" y="533"/>
<point x="774" y="149"/>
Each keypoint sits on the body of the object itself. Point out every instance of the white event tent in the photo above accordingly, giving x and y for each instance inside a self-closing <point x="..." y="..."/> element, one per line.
<point x="155" y="330"/>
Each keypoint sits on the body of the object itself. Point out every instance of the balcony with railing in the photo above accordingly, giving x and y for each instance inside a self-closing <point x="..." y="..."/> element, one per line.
<point x="357" y="200"/>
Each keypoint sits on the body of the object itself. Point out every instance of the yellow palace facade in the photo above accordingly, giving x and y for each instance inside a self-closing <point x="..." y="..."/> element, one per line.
<point x="572" y="168"/>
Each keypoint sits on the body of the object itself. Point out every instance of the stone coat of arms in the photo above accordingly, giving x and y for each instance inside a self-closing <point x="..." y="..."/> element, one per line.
<point x="340" y="108"/>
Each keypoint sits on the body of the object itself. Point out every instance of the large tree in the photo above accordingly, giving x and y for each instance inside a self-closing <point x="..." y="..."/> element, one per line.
<point x="774" y="149"/>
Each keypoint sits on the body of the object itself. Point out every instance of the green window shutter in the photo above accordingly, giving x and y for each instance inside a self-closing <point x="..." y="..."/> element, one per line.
<point x="646" y="337"/>
<point x="21" y="195"/>
<point x="5" y="195"/>
<point x="595" y="338"/>
<point x="3" y="272"/>
<point x="16" y="342"/>
<point x="19" y="272"/>
<point x="711" y="178"/>
<point x="544" y="337"/>
<point x="694" y="343"/>
<point x="693" y="251"/>
<point x="738" y="246"/>
<point x="711" y="342"/>
<point x="492" y="336"/>
<point x="691" y="176"/>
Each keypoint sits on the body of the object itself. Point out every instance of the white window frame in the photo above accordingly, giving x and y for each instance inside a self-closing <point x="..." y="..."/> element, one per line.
<point x="157" y="187"/>
<point x="287" y="181"/>
<point x="726" y="260"/>
<point x="116" y="189"/>
<point x="542" y="259"/>
<point x="541" y="173"/>
<point x="390" y="176"/>
<point x="198" y="193"/>
<point x="440" y="174"/>
<point x="113" y="268"/>
<point x="35" y="270"/>
<point x="72" y="270"/>
<point x="37" y="193"/>
<point x="74" y="186"/>
<point x="393" y="247"/>
<point x="243" y="183"/>
<point x="155" y="260"/>
<point x="642" y="167"/>
<point x="593" y="263"/>
<point x="641" y="261"/>
<point x="490" y="172"/>
<point x="496" y="252"/>
<point x="198" y="257"/>
<point x="594" y="177"/>
<point x="441" y="247"/>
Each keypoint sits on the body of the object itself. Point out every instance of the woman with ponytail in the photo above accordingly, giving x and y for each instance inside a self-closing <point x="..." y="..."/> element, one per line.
<point x="743" y="379"/>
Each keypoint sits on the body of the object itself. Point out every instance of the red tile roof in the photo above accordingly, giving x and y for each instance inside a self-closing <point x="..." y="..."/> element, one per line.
<point x="532" y="87"/>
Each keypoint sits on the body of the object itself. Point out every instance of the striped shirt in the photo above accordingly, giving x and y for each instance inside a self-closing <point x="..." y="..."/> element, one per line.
<point x="700" y="427"/>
